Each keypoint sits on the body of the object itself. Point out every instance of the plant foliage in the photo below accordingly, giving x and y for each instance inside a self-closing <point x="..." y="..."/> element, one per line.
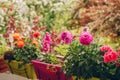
<point x="87" y="62"/>
<point x="25" y="54"/>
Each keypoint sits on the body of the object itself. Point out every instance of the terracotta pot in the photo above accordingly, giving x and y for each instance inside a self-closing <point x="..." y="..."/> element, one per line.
<point x="25" y="70"/>
<point x="3" y="65"/>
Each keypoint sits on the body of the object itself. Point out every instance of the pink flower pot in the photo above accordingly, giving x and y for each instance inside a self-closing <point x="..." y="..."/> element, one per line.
<point x="45" y="71"/>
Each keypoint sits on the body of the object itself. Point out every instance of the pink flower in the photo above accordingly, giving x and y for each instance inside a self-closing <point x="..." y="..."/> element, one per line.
<point x="110" y="56"/>
<point x="86" y="38"/>
<point x="47" y="37"/>
<point x="46" y="49"/>
<point x="66" y="37"/>
<point x="64" y="34"/>
<point x="46" y="43"/>
<point x="105" y="48"/>
<point x="85" y="29"/>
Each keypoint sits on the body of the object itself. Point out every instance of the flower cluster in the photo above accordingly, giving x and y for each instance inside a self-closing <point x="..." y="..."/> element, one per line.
<point x="46" y="43"/>
<point x="109" y="54"/>
<point x="105" y="48"/>
<point x="19" y="40"/>
<point x="25" y="48"/>
<point x="88" y="56"/>
<point x="86" y="38"/>
<point x="66" y="37"/>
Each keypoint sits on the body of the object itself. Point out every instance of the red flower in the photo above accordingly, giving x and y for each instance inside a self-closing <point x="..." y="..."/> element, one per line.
<point x="6" y="35"/>
<point x="117" y="64"/>
<point x="105" y="48"/>
<point x="110" y="56"/>
<point x="36" y="34"/>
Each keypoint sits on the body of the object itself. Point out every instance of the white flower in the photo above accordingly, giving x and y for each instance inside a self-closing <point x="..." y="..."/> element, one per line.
<point x="17" y="1"/>
<point x="4" y="0"/>
<point x="22" y="8"/>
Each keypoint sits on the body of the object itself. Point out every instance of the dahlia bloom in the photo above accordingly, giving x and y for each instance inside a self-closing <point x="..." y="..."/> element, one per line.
<point x="66" y="37"/>
<point x="86" y="38"/>
<point x="105" y="48"/>
<point x="110" y="56"/>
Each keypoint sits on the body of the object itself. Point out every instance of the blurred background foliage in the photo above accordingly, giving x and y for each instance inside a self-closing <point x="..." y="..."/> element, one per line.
<point x="3" y="45"/>
<point x="54" y="14"/>
<point x="101" y="16"/>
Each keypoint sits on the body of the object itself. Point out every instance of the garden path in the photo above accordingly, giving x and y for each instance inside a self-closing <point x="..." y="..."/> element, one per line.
<point x="9" y="76"/>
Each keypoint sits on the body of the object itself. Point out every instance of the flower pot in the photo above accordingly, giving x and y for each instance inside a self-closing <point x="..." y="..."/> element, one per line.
<point x="45" y="71"/>
<point x="25" y="70"/>
<point x="74" y="78"/>
<point x="3" y="65"/>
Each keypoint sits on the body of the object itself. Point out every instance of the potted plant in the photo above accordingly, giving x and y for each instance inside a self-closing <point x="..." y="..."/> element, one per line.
<point x="24" y="50"/>
<point x="3" y="48"/>
<point x="50" y="62"/>
<point x="49" y="67"/>
<point x="87" y="59"/>
<point x="20" y="63"/>
<point x="19" y="60"/>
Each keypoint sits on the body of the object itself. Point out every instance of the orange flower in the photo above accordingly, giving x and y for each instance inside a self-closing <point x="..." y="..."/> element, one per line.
<point x="20" y="43"/>
<point x="35" y="42"/>
<point x="16" y="36"/>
